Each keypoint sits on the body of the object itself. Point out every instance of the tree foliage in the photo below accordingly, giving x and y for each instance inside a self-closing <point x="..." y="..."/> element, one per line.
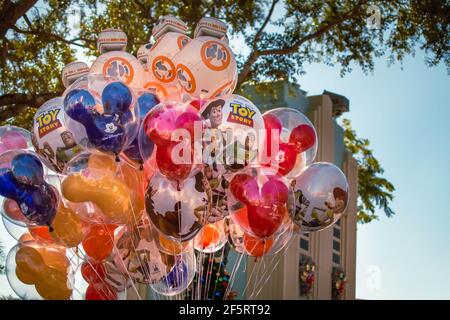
<point x="374" y="191"/>
<point x="276" y="40"/>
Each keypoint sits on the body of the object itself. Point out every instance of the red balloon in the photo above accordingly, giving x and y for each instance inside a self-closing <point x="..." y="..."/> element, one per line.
<point x="287" y="158"/>
<point x="101" y="291"/>
<point x="275" y="191"/>
<point x="186" y="121"/>
<point x="159" y="125"/>
<point x="303" y="137"/>
<point x="265" y="220"/>
<point x="93" y="273"/>
<point x="271" y="122"/>
<point x="173" y="171"/>
<point x="265" y="211"/>
<point x="244" y="188"/>
<point x="98" y="243"/>
<point x="198" y="103"/>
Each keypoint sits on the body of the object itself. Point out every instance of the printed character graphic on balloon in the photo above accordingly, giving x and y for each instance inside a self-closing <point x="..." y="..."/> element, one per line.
<point x="213" y="114"/>
<point x="70" y="149"/>
<point x="340" y="202"/>
<point x="301" y="203"/>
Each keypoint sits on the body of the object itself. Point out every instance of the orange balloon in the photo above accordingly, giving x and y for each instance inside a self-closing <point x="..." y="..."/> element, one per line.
<point x="67" y="228"/>
<point x="25" y="277"/>
<point x="29" y="260"/>
<point x="55" y="259"/>
<point x="26" y="237"/>
<point x="41" y="233"/>
<point x="134" y="180"/>
<point x="209" y="235"/>
<point x="99" y="241"/>
<point x="171" y="246"/>
<point x="109" y="193"/>
<point x="98" y="163"/>
<point x="52" y="285"/>
<point x="257" y="247"/>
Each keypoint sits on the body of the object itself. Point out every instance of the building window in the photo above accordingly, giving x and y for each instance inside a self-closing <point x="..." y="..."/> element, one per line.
<point x="336" y="258"/>
<point x="304" y="244"/>
<point x="336" y="233"/>
<point x="336" y="246"/>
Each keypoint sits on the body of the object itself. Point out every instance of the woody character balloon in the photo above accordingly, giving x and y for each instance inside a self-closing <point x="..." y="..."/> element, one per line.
<point x="51" y="138"/>
<point x="115" y="62"/>
<point x="231" y="135"/>
<point x="170" y="37"/>
<point x="321" y="196"/>
<point x="206" y="67"/>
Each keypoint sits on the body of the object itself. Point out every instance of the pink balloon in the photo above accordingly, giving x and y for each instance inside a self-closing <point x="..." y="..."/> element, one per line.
<point x="14" y="140"/>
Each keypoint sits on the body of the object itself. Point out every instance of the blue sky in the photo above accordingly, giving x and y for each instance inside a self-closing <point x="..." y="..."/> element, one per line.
<point x="405" y="114"/>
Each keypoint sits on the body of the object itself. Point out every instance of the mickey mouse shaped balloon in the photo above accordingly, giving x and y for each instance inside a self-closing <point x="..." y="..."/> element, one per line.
<point x="110" y="125"/>
<point x="260" y="202"/>
<point x="22" y="180"/>
<point x="291" y="141"/>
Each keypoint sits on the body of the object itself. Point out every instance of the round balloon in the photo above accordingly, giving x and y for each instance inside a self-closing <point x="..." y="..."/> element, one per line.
<point x="12" y="137"/>
<point x="136" y="254"/>
<point x="51" y="138"/>
<point x="206" y="68"/>
<point x="178" y="211"/>
<point x="321" y="196"/>
<point x="180" y="273"/>
<point x="232" y="133"/>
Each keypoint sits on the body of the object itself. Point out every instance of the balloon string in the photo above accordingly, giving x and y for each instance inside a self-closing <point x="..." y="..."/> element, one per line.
<point x="123" y="264"/>
<point x="233" y="274"/>
<point x="267" y="278"/>
<point x="215" y="284"/>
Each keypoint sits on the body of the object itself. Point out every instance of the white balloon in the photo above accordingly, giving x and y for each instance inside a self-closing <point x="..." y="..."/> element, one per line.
<point x="321" y="196"/>
<point x="121" y="65"/>
<point x="206" y="68"/>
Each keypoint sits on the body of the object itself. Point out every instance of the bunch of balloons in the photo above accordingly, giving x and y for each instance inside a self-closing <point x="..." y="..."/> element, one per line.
<point x="145" y="164"/>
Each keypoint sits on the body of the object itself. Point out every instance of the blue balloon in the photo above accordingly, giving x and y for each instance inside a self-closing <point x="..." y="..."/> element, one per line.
<point x="178" y="275"/>
<point x="105" y="131"/>
<point x="146" y="102"/>
<point x="24" y="183"/>
<point x="28" y="169"/>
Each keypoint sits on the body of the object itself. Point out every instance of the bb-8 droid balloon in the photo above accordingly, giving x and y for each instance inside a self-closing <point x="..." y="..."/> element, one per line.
<point x="114" y="62"/>
<point x="170" y="35"/>
<point x="142" y="55"/>
<point x="73" y="71"/>
<point x="206" y="67"/>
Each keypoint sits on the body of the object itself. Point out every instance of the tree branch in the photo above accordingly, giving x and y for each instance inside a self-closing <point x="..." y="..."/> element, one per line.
<point x="11" y="12"/>
<point x="48" y="35"/>
<point x="13" y="103"/>
<point x="294" y="48"/>
<point x="254" y="54"/>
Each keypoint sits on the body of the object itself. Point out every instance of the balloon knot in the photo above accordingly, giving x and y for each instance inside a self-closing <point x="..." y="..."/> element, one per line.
<point x="141" y="167"/>
<point x="50" y="228"/>
<point x="117" y="158"/>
